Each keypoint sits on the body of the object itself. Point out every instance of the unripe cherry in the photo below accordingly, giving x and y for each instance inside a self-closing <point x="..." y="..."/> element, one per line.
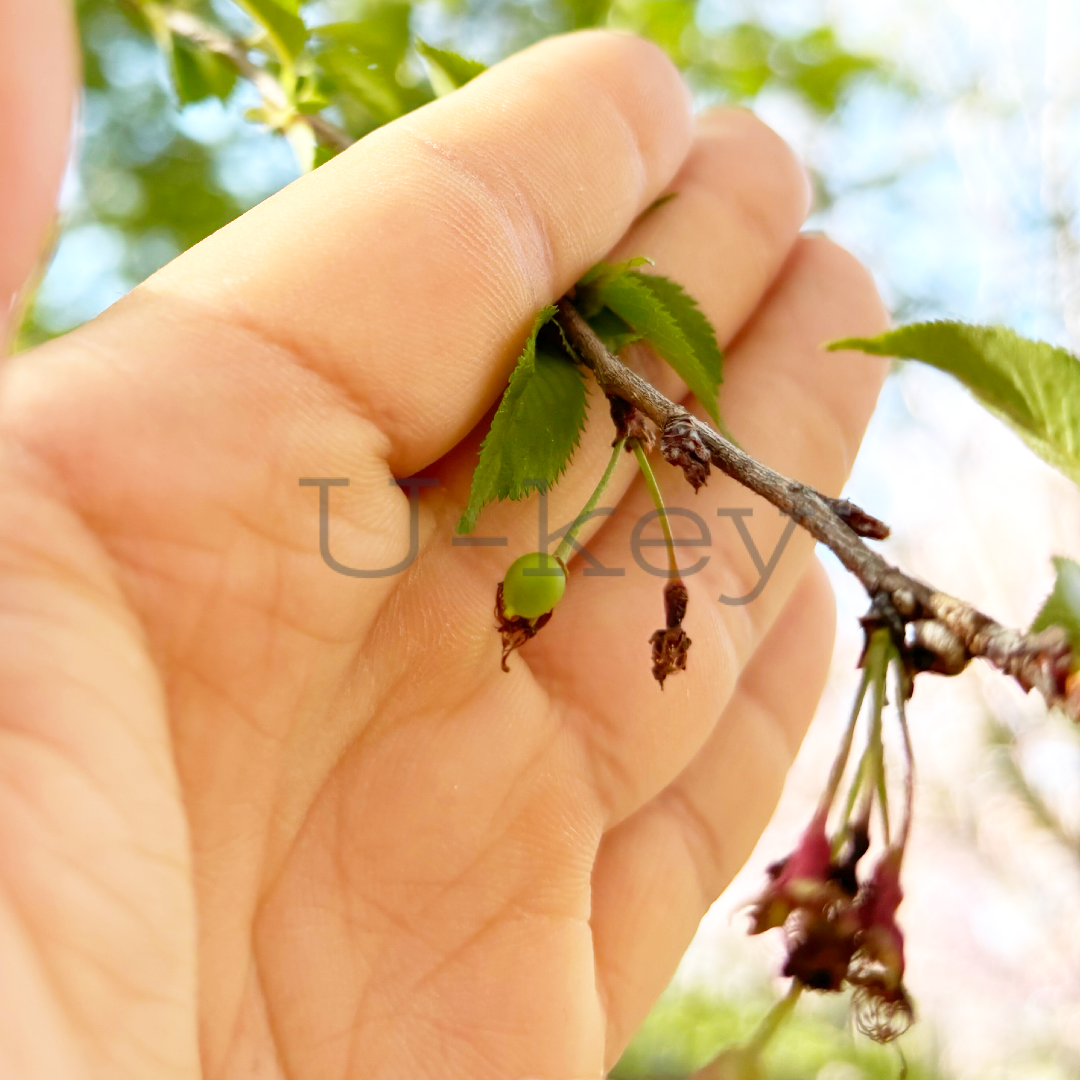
<point x="530" y="595"/>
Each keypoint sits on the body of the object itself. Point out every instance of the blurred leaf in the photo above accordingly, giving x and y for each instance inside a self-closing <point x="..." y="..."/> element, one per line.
<point x="199" y="73"/>
<point x="373" y="85"/>
<point x="586" y="13"/>
<point x="666" y="22"/>
<point x="1062" y="606"/>
<point x="1032" y="386"/>
<point x="534" y="431"/>
<point x="737" y="60"/>
<point x="360" y="61"/>
<point x="446" y="70"/>
<point x="655" y="205"/>
<point x="382" y="34"/>
<point x="281" y="22"/>
<point x="819" y="67"/>
<point x="309" y="96"/>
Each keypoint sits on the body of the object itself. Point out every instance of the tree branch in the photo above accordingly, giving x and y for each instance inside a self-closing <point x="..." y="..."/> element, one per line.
<point x="940" y="632"/>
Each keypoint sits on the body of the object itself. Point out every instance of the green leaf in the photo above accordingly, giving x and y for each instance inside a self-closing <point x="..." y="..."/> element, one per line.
<point x="679" y="332"/>
<point x="446" y="70"/>
<point x="604" y="271"/>
<point x="198" y="73"/>
<point x="692" y="322"/>
<point x="382" y="35"/>
<point x="1032" y="386"/>
<point x="534" y="431"/>
<point x="370" y="83"/>
<point x="660" y="200"/>
<point x="359" y="62"/>
<point x="281" y="22"/>
<point x="585" y="13"/>
<point x="819" y="68"/>
<point x="612" y="331"/>
<point x="1062" y="607"/>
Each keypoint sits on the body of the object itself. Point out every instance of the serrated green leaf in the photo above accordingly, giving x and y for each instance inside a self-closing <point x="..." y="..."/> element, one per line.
<point x="612" y="331"/>
<point x="1062" y="607"/>
<point x="642" y="306"/>
<point x="693" y="323"/>
<point x="534" y="431"/>
<point x="1032" y="386"/>
<point x="285" y="27"/>
<point x="447" y="71"/>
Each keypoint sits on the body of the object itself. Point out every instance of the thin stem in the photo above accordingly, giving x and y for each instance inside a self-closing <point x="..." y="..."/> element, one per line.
<point x="566" y="545"/>
<point x="874" y="743"/>
<point x="774" y="1018"/>
<point x="1039" y="661"/>
<point x="840" y="762"/>
<point x="909" y="757"/>
<point x="857" y="782"/>
<point x="658" y="502"/>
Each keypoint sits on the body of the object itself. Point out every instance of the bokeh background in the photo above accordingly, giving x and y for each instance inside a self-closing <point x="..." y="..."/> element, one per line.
<point x="944" y="138"/>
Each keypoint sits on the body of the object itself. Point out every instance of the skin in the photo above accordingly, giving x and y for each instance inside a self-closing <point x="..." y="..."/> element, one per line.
<point x="258" y="819"/>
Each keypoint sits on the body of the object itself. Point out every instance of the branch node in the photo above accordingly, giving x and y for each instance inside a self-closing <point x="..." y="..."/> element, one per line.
<point x="858" y="520"/>
<point x="630" y="423"/>
<point x="932" y="646"/>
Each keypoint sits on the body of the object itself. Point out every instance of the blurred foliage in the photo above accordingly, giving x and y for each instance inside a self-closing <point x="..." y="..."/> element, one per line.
<point x="174" y="144"/>
<point x="1006" y="757"/>
<point x="686" y="1030"/>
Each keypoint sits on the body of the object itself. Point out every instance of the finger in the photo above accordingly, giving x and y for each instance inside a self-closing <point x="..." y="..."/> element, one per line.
<point x="794" y="407"/>
<point x="741" y="196"/>
<point x="659" y="871"/>
<point x="37" y="90"/>
<point x="407" y="270"/>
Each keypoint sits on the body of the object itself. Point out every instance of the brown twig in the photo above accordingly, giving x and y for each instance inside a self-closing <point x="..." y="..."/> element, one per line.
<point x="1037" y="661"/>
<point x="186" y="25"/>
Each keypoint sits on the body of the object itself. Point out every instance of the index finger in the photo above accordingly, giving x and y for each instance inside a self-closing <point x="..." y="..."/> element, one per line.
<point x="408" y="269"/>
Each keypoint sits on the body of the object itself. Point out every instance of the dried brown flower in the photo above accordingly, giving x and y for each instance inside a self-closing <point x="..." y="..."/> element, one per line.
<point x="681" y="445"/>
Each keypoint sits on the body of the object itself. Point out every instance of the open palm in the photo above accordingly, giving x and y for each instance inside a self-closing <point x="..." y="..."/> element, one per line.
<point x="262" y="819"/>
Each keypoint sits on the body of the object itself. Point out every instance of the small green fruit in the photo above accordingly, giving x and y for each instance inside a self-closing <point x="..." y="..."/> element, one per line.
<point x="533" y="585"/>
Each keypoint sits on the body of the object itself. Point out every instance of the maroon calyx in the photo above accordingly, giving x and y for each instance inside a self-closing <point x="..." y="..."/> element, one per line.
<point x="881" y="1005"/>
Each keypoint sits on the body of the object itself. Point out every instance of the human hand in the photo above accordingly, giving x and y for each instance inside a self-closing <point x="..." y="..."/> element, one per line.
<point x="261" y="819"/>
